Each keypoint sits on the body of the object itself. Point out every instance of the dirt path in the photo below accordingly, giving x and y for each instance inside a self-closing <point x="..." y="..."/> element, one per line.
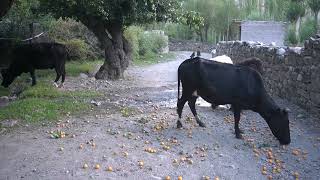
<point x="138" y="114"/>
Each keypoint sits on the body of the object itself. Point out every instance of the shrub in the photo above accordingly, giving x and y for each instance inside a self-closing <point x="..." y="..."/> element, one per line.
<point x="82" y="42"/>
<point x="145" y="45"/>
<point x="132" y="34"/>
<point x="78" y="49"/>
<point x="291" y="38"/>
<point x="308" y="29"/>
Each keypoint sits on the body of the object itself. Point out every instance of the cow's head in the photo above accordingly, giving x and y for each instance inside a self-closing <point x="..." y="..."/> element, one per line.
<point x="7" y="78"/>
<point x="279" y="125"/>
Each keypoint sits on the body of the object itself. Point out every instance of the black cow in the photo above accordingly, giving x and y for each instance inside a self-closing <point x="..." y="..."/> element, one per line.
<point x="238" y="85"/>
<point x="26" y="58"/>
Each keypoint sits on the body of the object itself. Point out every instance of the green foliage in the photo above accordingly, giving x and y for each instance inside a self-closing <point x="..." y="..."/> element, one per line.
<point x="132" y="34"/>
<point x="291" y="38"/>
<point x="145" y="45"/>
<point x="314" y="5"/>
<point x="296" y="9"/>
<point x="151" y="42"/>
<point x="16" y="23"/>
<point x="308" y="29"/>
<point x="125" y="11"/>
<point x="77" y="49"/>
<point x="80" y="42"/>
<point x="257" y="16"/>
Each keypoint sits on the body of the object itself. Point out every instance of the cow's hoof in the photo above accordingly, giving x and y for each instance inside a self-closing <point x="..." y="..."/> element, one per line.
<point x="241" y="132"/>
<point x="238" y="136"/>
<point x="179" y="125"/>
<point x="201" y="124"/>
<point x="55" y="85"/>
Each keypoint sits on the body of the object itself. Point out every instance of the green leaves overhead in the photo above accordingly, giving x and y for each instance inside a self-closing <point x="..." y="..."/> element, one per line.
<point x="124" y="11"/>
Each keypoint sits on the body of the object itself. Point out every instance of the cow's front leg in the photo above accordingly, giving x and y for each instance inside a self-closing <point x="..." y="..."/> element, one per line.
<point x="192" y="105"/>
<point x="237" y="113"/>
<point x="33" y="77"/>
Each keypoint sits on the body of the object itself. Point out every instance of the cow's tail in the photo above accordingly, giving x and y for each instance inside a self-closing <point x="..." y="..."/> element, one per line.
<point x="178" y="83"/>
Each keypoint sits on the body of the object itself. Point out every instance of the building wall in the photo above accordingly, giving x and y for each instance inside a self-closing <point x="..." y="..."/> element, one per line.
<point x="263" y="31"/>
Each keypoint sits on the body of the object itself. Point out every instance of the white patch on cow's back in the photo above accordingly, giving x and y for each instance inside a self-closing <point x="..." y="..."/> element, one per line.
<point x="222" y="59"/>
<point x="195" y="93"/>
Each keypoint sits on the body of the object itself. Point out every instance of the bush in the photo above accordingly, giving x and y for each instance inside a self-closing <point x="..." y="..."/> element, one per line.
<point x="145" y="45"/>
<point x="78" y="49"/>
<point x="291" y="38"/>
<point x="308" y="29"/>
<point x="82" y="43"/>
<point x="132" y="34"/>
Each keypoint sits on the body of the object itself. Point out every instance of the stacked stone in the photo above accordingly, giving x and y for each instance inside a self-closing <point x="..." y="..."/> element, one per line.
<point x="292" y="73"/>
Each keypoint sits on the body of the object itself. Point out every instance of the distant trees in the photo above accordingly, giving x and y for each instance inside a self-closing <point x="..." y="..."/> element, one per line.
<point x="315" y="7"/>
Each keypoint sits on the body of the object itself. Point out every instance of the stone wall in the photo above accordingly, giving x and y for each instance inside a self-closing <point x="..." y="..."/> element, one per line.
<point x="290" y="73"/>
<point x="185" y="45"/>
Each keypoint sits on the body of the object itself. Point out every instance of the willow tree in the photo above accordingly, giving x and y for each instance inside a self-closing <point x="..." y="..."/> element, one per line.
<point x="107" y="20"/>
<point x="315" y="7"/>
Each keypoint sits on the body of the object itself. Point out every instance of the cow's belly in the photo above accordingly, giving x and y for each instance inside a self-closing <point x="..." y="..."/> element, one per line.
<point x="214" y="98"/>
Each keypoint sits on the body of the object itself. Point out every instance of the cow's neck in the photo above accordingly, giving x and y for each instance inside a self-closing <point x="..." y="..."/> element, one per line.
<point x="267" y="107"/>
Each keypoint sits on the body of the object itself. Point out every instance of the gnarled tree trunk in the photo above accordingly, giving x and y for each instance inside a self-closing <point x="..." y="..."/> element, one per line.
<point x="117" y="49"/>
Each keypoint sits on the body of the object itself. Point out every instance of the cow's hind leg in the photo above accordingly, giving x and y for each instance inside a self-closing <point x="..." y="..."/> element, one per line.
<point x="192" y="105"/>
<point x="63" y="73"/>
<point x="58" y="75"/>
<point x="180" y="105"/>
<point x="237" y="113"/>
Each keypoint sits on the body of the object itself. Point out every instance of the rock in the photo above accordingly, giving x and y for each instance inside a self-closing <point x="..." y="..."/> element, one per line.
<point x="301" y="116"/>
<point x="96" y="103"/>
<point x="4" y="99"/>
<point x="83" y="75"/>
<point x="299" y="78"/>
<point x="9" y="123"/>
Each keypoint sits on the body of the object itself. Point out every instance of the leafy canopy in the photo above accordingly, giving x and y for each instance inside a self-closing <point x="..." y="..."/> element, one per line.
<point x="124" y="11"/>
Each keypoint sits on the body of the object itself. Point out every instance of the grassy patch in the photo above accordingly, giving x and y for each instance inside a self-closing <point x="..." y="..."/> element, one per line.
<point x="4" y="91"/>
<point x="154" y="58"/>
<point x="44" y="102"/>
<point x="74" y="68"/>
<point x="45" y="90"/>
<point x="34" y="110"/>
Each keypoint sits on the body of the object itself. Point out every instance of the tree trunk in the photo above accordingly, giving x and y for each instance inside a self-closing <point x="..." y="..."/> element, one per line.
<point x="5" y="5"/>
<point x="206" y="29"/>
<point x="316" y="20"/>
<point x="117" y="49"/>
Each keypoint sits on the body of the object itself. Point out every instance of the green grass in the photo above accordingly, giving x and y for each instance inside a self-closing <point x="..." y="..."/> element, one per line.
<point x="46" y="90"/>
<point x="153" y="59"/>
<point x="44" y="102"/>
<point x="4" y="91"/>
<point x="33" y="110"/>
<point x="74" y="68"/>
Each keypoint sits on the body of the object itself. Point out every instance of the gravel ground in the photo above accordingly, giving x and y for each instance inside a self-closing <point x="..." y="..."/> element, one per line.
<point x="133" y="132"/>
